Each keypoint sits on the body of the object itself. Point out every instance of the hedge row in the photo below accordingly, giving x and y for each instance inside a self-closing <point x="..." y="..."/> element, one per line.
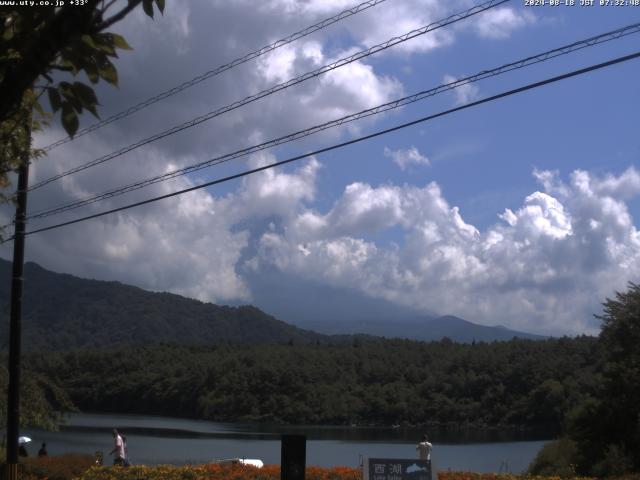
<point x="81" y="467"/>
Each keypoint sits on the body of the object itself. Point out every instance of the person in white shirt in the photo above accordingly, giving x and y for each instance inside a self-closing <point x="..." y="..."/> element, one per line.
<point x="424" y="448"/>
<point x="118" y="449"/>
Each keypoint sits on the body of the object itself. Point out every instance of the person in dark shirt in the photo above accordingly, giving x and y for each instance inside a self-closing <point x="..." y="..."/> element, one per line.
<point x="43" y="450"/>
<point x="22" y="451"/>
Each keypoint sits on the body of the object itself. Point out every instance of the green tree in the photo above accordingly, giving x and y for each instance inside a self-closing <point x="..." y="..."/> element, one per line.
<point x="38" y="45"/>
<point x="620" y="338"/>
<point x="555" y="459"/>
<point x="606" y="427"/>
<point x="41" y="400"/>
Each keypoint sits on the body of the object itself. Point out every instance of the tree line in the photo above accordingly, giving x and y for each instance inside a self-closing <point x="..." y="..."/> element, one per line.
<point x="522" y="383"/>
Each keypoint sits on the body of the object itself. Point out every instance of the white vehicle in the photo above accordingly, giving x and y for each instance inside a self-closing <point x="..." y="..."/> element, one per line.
<point x="254" y="462"/>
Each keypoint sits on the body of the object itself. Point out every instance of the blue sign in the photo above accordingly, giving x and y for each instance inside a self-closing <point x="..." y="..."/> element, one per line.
<point x="396" y="469"/>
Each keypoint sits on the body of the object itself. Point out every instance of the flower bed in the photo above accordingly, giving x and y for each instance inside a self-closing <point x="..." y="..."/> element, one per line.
<point x="496" y="476"/>
<point x="81" y="467"/>
<point x="213" y="472"/>
<point x="59" y="467"/>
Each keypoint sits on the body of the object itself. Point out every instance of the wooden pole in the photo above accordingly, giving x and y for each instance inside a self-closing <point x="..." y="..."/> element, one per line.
<point x="15" y="325"/>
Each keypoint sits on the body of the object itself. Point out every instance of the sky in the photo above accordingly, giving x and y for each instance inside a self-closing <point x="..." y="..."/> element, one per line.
<point x="520" y="212"/>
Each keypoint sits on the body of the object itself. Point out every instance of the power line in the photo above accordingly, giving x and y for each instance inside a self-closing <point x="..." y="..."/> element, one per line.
<point x="531" y="60"/>
<point x="294" y="81"/>
<point x="218" y="70"/>
<point x="529" y="86"/>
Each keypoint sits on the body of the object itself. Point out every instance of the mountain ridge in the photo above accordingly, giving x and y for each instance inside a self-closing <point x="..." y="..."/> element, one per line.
<point x="424" y="328"/>
<point x="62" y="311"/>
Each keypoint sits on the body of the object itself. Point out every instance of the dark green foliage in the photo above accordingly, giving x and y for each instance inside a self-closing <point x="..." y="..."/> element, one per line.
<point x="615" y="461"/>
<point x="38" y="45"/>
<point x="555" y="459"/>
<point x="606" y="426"/>
<point x="41" y="399"/>
<point x="35" y="42"/>
<point x="366" y="382"/>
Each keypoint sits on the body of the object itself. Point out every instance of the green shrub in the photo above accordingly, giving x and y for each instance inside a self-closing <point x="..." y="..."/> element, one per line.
<point x="556" y="458"/>
<point x="614" y="463"/>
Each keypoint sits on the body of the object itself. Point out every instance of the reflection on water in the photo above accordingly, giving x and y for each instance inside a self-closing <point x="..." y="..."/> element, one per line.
<point x="178" y="427"/>
<point x="401" y="434"/>
<point x="154" y="440"/>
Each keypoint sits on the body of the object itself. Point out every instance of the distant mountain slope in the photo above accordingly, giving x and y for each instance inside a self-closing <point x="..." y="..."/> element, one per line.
<point x="333" y="310"/>
<point x="422" y="328"/>
<point x="61" y="311"/>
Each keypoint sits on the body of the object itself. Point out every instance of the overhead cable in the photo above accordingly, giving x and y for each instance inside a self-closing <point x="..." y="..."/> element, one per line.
<point x="218" y="70"/>
<point x="531" y="60"/>
<point x="252" y="98"/>
<point x="514" y="91"/>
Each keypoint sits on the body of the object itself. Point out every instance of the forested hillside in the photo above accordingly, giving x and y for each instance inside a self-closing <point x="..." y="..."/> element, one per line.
<point x="520" y="383"/>
<point x="63" y="312"/>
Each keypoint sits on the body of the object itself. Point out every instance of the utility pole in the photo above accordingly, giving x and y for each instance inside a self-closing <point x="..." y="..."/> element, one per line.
<point x="15" y="325"/>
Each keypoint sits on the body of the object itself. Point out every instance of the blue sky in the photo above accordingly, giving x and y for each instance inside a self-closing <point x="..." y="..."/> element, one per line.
<point x="520" y="212"/>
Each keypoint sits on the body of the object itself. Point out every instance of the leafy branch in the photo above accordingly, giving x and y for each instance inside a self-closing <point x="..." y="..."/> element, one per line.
<point x="35" y="43"/>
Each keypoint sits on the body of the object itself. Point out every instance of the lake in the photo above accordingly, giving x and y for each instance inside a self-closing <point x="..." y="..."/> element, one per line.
<point x="154" y="440"/>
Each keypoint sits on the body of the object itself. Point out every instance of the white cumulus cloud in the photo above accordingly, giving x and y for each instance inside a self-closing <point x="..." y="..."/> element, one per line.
<point x="500" y="23"/>
<point x="405" y="158"/>
<point x="546" y="267"/>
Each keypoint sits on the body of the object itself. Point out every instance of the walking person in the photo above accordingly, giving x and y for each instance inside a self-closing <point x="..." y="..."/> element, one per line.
<point x="22" y="450"/>
<point x="126" y="462"/>
<point x="43" y="450"/>
<point x="118" y="449"/>
<point x="424" y="448"/>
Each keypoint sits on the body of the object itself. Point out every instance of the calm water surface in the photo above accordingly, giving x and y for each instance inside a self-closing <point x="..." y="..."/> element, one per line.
<point x="153" y="440"/>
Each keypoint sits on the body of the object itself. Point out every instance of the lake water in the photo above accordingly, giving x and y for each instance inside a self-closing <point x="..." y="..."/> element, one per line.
<point x="154" y="440"/>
